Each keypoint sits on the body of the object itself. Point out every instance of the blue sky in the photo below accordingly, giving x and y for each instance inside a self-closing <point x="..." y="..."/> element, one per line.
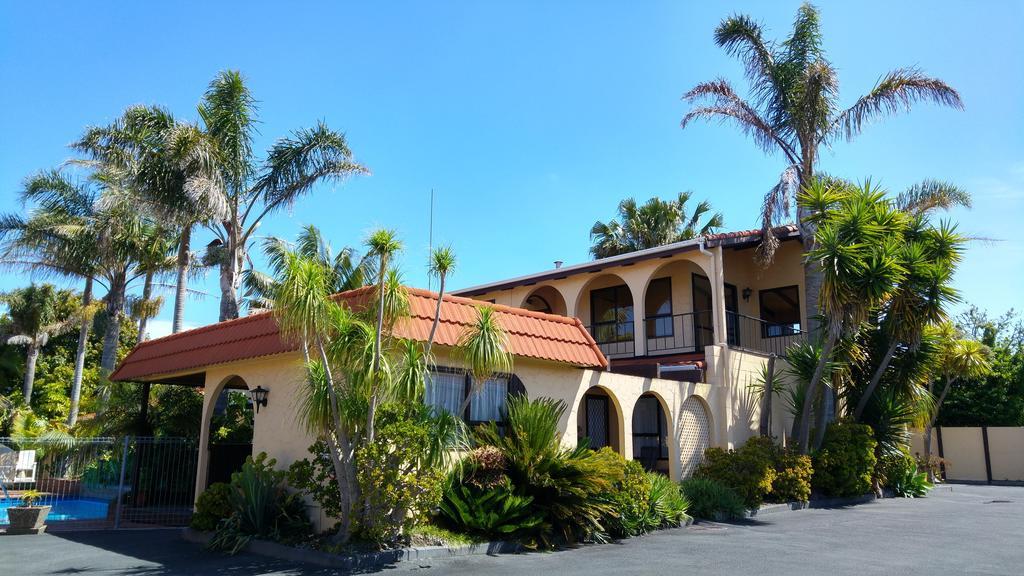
<point x="529" y="120"/>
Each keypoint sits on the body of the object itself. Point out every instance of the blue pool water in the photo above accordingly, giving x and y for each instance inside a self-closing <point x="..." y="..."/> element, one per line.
<point x="63" y="509"/>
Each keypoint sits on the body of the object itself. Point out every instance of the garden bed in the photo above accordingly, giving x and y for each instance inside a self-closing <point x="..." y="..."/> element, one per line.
<point x="362" y="560"/>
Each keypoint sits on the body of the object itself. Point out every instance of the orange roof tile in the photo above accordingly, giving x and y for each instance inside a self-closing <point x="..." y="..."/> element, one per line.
<point x="530" y="335"/>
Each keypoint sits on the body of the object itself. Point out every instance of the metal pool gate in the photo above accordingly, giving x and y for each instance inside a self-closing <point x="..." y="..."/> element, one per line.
<point x="130" y="482"/>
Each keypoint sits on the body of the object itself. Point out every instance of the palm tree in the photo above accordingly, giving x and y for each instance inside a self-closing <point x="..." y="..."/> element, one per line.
<point x="154" y="260"/>
<point x="36" y="314"/>
<point x="483" y="347"/>
<point x="958" y="358"/>
<point x="856" y="245"/>
<point x="442" y="262"/>
<point x="383" y="245"/>
<point x="344" y="273"/>
<point x="794" y="111"/>
<point x="655" y="223"/>
<point x="254" y="190"/>
<point x="173" y="168"/>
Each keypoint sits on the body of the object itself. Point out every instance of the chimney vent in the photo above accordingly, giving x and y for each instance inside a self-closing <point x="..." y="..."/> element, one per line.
<point x="558" y="264"/>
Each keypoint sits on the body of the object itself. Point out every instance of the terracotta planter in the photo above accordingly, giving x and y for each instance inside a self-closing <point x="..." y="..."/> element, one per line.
<point x="27" y="519"/>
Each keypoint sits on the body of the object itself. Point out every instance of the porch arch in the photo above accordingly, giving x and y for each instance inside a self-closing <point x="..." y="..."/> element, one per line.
<point x="211" y="395"/>
<point x="654" y="444"/>
<point x="614" y="327"/>
<point x="546" y="299"/>
<point x="599" y="417"/>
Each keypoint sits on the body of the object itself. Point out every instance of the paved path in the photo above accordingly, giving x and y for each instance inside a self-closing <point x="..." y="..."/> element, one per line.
<point x="957" y="530"/>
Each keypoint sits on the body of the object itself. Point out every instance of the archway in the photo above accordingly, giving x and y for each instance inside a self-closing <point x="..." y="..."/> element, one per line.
<point x="678" y="316"/>
<point x="230" y="423"/>
<point x="605" y="305"/>
<point x="651" y="436"/>
<point x="599" y="419"/>
<point x="545" y="299"/>
<point x="693" y="428"/>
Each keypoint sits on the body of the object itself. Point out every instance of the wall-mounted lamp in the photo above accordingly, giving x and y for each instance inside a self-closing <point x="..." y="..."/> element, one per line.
<point x="259" y="397"/>
<point x="746" y="294"/>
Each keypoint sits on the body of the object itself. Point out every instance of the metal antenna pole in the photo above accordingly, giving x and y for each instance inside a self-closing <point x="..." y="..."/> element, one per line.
<point x="430" y="239"/>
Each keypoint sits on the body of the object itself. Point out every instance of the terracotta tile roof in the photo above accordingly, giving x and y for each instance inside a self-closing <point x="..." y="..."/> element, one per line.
<point x="738" y="239"/>
<point x="530" y="335"/>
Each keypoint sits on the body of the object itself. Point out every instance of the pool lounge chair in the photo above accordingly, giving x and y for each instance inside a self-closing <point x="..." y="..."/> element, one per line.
<point x="17" y="467"/>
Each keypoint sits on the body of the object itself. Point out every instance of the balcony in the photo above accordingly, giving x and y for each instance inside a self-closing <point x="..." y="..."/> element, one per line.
<point x="749" y="333"/>
<point x="614" y="338"/>
<point x="679" y="333"/>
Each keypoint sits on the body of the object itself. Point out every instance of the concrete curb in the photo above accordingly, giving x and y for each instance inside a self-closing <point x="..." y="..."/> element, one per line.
<point x="359" y="561"/>
<point x="814" y="504"/>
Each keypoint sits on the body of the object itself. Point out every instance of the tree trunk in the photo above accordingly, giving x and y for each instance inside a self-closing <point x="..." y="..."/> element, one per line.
<point x="875" y="379"/>
<point x="812" y="390"/>
<point x="230" y="275"/>
<point x="826" y="414"/>
<point x="181" y="286"/>
<point x="115" y="309"/>
<point x="372" y="412"/>
<point x="340" y="451"/>
<point x="83" y="341"/>
<point x="930" y="425"/>
<point x="30" y="371"/>
<point x="437" y="316"/>
<point x="147" y="293"/>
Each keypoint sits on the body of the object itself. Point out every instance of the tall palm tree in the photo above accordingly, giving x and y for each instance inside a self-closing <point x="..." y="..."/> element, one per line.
<point x="253" y="190"/>
<point x="483" y="347"/>
<point x="958" y="358"/>
<point x="173" y="169"/>
<point x="857" y="241"/>
<point x="794" y="111"/>
<point x="344" y="271"/>
<point x="655" y="223"/>
<point x="383" y="245"/>
<point x="36" y="314"/>
<point x="442" y="263"/>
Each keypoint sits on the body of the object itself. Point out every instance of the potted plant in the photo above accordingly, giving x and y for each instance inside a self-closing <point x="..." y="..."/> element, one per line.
<point x="28" y="518"/>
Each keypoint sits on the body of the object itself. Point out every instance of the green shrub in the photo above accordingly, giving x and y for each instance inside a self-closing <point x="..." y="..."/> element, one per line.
<point x="315" y="477"/>
<point x="398" y="488"/>
<point x="668" y="505"/>
<point x="568" y="487"/>
<point x="494" y="512"/>
<point x="793" y="473"/>
<point x="748" y="471"/>
<point x="846" y="461"/>
<point x="630" y="497"/>
<point x="212" y="506"/>
<point x="899" y="473"/>
<point x="710" y="499"/>
<point x="261" y="507"/>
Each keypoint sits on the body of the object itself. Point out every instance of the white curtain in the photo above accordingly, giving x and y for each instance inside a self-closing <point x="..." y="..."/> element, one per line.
<point x="489" y="403"/>
<point x="445" y="391"/>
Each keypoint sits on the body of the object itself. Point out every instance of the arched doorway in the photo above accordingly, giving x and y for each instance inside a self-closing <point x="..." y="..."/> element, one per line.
<point x="231" y="429"/>
<point x="546" y="299"/>
<point x="650" y="433"/>
<point x="599" y="419"/>
<point x="694" y="429"/>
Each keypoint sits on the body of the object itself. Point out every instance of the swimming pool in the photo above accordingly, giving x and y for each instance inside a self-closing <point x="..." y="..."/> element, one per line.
<point x="63" y="509"/>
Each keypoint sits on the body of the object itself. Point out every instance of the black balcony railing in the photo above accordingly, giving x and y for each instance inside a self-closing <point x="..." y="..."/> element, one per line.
<point x="614" y="338"/>
<point x="679" y="333"/>
<point x="756" y="334"/>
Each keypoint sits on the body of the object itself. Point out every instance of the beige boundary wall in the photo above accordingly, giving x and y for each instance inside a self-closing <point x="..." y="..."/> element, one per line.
<point x="963" y="450"/>
<point x="729" y="407"/>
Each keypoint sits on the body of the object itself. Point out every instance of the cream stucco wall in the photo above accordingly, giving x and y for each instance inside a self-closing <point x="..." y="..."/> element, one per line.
<point x="963" y="451"/>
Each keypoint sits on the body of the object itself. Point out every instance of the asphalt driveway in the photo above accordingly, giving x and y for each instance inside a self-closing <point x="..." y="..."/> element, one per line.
<point x="957" y="530"/>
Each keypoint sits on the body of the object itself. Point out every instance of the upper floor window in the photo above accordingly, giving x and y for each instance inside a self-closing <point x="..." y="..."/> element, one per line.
<point x="780" y="311"/>
<point x="658" y="307"/>
<point x="446" y="389"/>
<point x="611" y="314"/>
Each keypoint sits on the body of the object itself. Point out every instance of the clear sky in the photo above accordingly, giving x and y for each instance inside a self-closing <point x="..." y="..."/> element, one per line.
<point x="529" y="120"/>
